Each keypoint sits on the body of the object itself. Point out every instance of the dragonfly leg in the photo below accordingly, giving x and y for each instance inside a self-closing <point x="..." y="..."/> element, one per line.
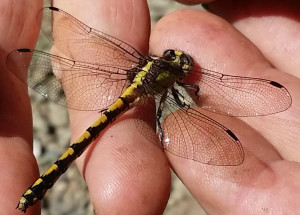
<point x="176" y="94"/>
<point x="193" y="86"/>
<point x="159" y="115"/>
<point x="160" y="133"/>
<point x="102" y="110"/>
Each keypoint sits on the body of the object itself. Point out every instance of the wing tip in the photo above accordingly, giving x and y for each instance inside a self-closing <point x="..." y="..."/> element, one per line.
<point x="53" y="8"/>
<point x="23" y="50"/>
<point x="276" y="84"/>
<point x="232" y="135"/>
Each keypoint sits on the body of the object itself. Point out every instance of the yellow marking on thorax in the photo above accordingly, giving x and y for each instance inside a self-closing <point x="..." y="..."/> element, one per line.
<point x="138" y="80"/>
<point x="140" y="75"/>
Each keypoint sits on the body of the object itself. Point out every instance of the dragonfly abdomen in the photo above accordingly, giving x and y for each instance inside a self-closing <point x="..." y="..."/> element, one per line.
<point x="39" y="188"/>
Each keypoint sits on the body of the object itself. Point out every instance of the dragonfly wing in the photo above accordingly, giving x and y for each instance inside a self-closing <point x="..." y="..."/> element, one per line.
<point x="190" y="134"/>
<point x="70" y="83"/>
<point x="238" y="96"/>
<point x="79" y="42"/>
<point x="145" y="119"/>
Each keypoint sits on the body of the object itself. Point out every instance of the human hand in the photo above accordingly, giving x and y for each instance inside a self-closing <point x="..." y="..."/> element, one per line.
<point x="267" y="181"/>
<point x="18" y="165"/>
<point x="134" y="178"/>
<point x="214" y="44"/>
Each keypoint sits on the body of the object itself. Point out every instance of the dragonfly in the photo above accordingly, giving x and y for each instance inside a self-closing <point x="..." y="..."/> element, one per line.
<point x="94" y="71"/>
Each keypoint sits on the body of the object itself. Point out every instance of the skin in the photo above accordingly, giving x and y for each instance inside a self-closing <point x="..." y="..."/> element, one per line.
<point x="264" y="45"/>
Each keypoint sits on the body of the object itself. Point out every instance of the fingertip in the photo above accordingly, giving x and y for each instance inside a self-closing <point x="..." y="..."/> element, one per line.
<point x="127" y="174"/>
<point x="189" y="30"/>
<point x="20" y="25"/>
<point x="272" y="26"/>
<point x="212" y="42"/>
<point x="18" y="171"/>
<point x="18" y="165"/>
<point x="127" y="20"/>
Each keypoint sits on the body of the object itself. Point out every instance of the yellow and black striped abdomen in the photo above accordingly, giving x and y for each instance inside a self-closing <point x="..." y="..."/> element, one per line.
<point x="46" y="181"/>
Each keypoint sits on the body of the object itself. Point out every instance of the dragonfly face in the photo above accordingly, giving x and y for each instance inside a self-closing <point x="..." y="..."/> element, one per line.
<point x="165" y="71"/>
<point x="179" y="59"/>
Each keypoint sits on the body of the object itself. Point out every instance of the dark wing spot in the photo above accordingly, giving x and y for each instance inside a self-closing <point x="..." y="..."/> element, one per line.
<point x="276" y="84"/>
<point x="231" y="134"/>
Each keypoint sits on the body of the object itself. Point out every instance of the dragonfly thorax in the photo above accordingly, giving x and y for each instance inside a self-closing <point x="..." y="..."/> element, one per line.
<point x="164" y="71"/>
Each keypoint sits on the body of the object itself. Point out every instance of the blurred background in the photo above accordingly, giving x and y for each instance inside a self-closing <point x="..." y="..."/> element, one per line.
<point x="51" y="139"/>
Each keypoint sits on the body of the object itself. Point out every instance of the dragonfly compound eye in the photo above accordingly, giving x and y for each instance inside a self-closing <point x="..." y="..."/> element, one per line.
<point x="169" y="55"/>
<point x="186" y="62"/>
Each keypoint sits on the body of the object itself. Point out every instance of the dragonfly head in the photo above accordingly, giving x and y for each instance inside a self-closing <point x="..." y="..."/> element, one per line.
<point x="180" y="59"/>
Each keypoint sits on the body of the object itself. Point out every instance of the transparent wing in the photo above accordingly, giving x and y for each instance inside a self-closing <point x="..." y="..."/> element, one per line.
<point x="79" y="42"/>
<point x="238" y="96"/>
<point x="78" y="85"/>
<point x="190" y="134"/>
<point x="91" y="77"/>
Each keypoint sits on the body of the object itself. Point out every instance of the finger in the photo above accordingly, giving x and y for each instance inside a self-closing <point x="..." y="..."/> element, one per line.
<point x="272" y="26"/>
<point x="125" y="173"/>
<point x="18" y="165"/>
<point x="215" y="45"/>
